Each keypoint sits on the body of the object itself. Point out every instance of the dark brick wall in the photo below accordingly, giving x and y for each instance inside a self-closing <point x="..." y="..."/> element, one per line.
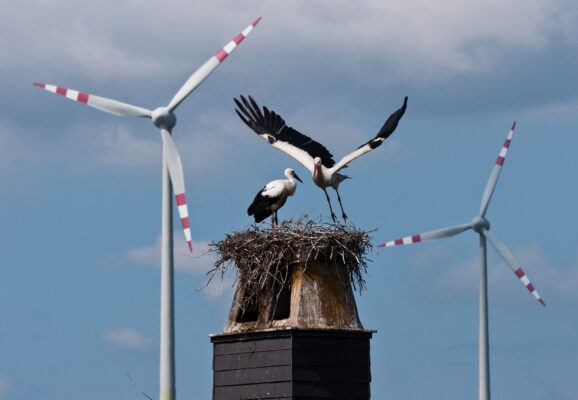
<point x="292" y="364"/>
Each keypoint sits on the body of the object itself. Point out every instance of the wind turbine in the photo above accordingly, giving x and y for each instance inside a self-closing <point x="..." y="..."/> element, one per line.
<point x="164" y="118"/>
<point x="481" y="226"/>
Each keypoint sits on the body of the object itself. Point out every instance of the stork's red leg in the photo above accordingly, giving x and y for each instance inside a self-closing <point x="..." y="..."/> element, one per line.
<point x="329" y="202"/>
<point x="341" y="205"/>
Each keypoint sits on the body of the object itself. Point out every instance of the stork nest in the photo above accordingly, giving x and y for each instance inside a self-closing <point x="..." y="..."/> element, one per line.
<point x="265" y="257"/>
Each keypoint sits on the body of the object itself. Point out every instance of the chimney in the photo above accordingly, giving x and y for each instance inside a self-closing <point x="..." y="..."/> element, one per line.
<point x="298" y="337"/>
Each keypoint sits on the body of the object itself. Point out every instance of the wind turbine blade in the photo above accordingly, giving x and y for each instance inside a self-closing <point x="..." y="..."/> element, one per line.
<point x="511" y="261"/>
<point x="493" y="179"/>
<point x="431" y="235"/>
<point x="102" y="103"/>
<point x="176" y="172"/>
<point x="200" y="74"/>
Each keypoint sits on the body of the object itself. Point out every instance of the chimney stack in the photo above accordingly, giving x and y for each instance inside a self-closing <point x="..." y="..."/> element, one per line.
<point x="302" y="340"/>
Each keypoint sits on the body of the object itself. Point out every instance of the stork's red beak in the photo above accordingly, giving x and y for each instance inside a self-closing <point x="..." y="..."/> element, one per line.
<point x="315" y="167"/>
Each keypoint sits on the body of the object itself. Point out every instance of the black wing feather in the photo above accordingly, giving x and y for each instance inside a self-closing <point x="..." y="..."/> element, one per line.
<point x="388" y="127"/>
<point x="253" y="113"/>
<point x="270" y="123"/>
<point x="256" y="107"/>
<point x="258" y="207"/>
<point x="391" y="123"/>
<point x="243" y="118"/>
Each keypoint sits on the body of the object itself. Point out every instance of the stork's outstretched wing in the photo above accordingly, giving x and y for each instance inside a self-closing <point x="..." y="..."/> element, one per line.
<point x="385" y="131"/>
<point x="271" y="127"/>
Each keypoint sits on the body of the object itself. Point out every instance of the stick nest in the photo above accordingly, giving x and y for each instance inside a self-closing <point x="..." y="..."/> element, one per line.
<point x="264" y="257"/>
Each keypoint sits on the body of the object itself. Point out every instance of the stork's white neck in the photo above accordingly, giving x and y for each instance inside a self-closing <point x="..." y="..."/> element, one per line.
<point x="291" y="185"/>
<point x="318" y="174"/>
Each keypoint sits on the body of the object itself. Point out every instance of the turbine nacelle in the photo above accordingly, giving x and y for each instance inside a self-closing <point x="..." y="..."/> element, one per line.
<point x="163" y="117"/>
<point x="480" y="224"/>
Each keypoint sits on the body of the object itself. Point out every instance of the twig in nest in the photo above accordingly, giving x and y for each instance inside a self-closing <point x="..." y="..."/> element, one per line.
<point x="263" y="256"/>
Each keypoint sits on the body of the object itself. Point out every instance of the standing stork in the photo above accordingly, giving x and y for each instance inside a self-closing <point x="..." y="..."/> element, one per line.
<point x="273" y="196"/>
<point x="313" y="155"/>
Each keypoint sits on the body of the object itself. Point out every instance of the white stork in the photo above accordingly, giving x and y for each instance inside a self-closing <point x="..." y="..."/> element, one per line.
<point x="313" y="155"/>
<point x="273" y="196"/>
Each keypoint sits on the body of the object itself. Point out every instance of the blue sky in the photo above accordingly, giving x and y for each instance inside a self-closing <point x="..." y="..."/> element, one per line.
<point x="80" y="189"/>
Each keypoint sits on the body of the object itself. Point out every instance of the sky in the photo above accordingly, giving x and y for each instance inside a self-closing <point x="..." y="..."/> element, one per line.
<point x="80" y="190"/>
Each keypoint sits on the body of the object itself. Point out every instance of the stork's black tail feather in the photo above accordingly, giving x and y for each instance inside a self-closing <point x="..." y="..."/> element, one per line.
<point x="259" y="213"/>
<point x="260" y="216"/>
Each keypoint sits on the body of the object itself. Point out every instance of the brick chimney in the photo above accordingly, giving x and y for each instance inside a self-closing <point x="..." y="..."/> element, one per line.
<point x="303" y="341"/>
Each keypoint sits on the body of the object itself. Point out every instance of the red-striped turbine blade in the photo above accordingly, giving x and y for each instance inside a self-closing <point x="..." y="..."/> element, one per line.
<point x="184" y="215"/>
<point x="175" y="166"/>
<point x="507" y="256"/>
<point x="494" y="175"/>
<point x="102" y="103"/>
<point x="200" y="74"/>
<point x="431" y="235"/>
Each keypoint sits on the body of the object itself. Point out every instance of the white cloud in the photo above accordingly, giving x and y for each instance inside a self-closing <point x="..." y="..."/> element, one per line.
<point x="126" y="145"/>
<point x="413" y="41"/>
<point x="558" y="284"/>
<point x="16" y="147"/>
<point x="119" y="146"/>
<point x="552" y="111"/>
<point x="95" y="39"/>
<point x="5" y="385"/>
<point x="416" y="39"/>
<point x="85" y="147"/>
<point x="8" y="141"/>
<point x="212" y="142"/>
<point x="429" y="255"/>
<point x="199" y="263"/>
<point x="220" y="287"/>
<point x="567" y="392"/>
<point x="461" y="281"/>
<point x="211" y="147"/>
<point x="127" y="338"/>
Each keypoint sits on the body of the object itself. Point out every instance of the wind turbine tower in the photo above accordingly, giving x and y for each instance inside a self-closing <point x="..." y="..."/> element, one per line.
<point x="164" y="118"/>
<point x="481" y="226"/>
